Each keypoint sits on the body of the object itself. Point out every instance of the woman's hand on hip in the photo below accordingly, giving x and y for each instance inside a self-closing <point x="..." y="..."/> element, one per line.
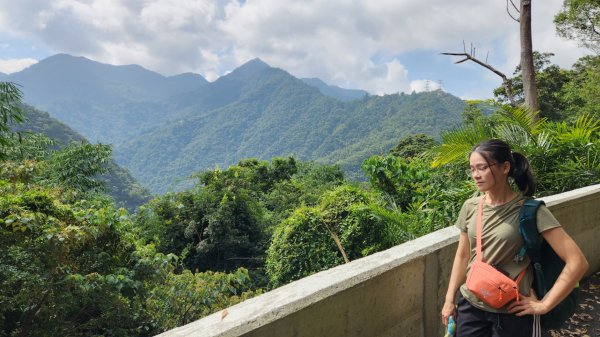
<point x="527" y="305"/>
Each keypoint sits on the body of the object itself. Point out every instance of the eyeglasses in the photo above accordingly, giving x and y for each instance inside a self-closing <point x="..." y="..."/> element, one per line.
<point x="479" y="168"/>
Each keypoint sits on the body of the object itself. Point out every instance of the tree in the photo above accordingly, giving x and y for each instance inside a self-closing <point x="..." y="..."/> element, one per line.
<point x="580" y="20"/>
<point x="526" y="59"/>
<point x="185" y="297"/>
<point x="226" y="221"/>
<point x="470" y="56"/>
<point x="472" y="111"/>
<point x="527" y="69"/>
<point x="70" y="269"/>
<point x="550" y="82"/>
<point x="10" y="112"/>
<point x="412" y="146"/>
<point x="78" y="166"/>
<point x="316" y="238"/>
<point x="581" y="92"/>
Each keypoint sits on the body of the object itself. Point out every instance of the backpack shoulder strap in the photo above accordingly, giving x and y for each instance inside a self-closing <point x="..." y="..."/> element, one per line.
<point x="528" y="228"/>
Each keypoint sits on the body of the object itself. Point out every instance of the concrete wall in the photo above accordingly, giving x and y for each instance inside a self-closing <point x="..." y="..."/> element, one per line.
<point x="397" y="292"/>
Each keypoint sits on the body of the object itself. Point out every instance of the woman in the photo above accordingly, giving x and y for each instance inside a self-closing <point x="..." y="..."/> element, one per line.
<point x="491" y="164"/>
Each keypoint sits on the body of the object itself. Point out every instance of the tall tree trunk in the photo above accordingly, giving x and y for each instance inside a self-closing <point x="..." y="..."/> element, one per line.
<point x="527" y="70"/>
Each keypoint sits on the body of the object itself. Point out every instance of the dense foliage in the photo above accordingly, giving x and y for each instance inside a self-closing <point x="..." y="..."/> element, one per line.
<point x="40" y="131"/>
<point x="72" y="264"/>
<point x="342" y="227"/>
<point x="226" y="222"/>
<point x="563" y="94"/>
<point x="579" y="20"/>
<point x="564" y="155"/>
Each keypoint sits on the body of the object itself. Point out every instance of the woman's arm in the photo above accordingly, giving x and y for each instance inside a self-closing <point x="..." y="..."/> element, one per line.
<point x="458" y="275"/>
<point x="575" y="267"/>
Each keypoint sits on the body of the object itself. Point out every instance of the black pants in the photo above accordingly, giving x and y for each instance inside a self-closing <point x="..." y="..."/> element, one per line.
<point x="474" y="322"/>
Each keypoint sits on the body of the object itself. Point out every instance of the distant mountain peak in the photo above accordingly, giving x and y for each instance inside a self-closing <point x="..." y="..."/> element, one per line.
<point x="248" y="69"/>
<point x="63" y="56"/>
<point x="255" y="64"/>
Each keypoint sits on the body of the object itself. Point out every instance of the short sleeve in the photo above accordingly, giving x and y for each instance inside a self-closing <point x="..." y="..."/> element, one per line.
<point x="461" y="221"/>
<point x="545" y="219"/>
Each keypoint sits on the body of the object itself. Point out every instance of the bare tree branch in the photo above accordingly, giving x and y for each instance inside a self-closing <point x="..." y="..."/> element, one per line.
<point x="593" y="28"/>
<point x="505" y="81"/>
<point x="508" y="10"/>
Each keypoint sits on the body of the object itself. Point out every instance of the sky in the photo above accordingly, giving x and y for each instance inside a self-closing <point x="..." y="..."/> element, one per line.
<point x="381" y="46"/>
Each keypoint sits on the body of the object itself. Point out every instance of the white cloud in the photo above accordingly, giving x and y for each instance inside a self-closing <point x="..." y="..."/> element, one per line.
<point x="353" y="44"/>
<point x="9" y="66"/>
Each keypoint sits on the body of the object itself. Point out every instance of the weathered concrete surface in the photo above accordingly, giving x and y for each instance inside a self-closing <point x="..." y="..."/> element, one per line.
<point x="579" y="212"/>
<point x="397" y="292"/>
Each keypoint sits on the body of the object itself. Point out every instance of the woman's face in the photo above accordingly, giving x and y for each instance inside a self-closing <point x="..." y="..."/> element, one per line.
<point x="487" y="175"/>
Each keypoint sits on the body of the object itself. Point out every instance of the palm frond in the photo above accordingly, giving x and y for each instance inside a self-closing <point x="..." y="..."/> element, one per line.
<point x="457" y="144"/>
<point x="544" y="141"/>
<point x="515" y="135"/>
<point x="523" y="117"/>
<point x="582" y="132"/>
<point x="450" y="153"/>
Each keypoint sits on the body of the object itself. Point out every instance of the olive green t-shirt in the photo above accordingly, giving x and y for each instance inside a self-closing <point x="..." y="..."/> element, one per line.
<point x="501" y="240"/>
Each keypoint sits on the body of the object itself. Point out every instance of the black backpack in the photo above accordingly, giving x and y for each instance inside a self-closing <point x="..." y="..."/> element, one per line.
<point x="547" y="265"/>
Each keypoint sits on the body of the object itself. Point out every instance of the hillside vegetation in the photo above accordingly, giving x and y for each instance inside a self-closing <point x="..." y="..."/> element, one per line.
<point x="165" y="129"/>
<point x="119" y="183"/>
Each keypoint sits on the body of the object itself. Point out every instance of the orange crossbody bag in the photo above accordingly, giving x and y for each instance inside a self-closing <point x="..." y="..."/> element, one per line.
<point x="486" y="282"/>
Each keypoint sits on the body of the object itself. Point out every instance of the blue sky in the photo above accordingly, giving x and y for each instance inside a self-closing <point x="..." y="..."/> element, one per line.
<point x="383" y="46"/>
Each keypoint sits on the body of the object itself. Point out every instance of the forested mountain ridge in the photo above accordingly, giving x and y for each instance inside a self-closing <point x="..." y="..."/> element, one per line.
<point x="281" y="116"/>
<point x="103" y="102"/>
<point x="334" y="91"/>
<point x="254" y="111"/>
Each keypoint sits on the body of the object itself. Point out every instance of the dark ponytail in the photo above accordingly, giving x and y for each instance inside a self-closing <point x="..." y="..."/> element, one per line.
<point x="521" y="173"/>
<point x="496" y="150"/>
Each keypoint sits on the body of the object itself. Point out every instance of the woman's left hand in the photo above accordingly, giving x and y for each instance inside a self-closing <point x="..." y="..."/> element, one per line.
<point x="527" y="305"/>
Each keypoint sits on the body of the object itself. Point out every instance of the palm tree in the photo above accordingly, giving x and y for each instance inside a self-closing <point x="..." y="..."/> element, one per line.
<point x="564" y="155"/>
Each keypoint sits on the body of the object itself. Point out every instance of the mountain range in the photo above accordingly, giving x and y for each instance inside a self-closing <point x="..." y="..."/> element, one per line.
<point x="164" y="129"/>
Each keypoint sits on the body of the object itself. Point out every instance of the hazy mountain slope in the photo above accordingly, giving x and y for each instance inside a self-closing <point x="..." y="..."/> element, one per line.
<point x="225" y="90"/>
<point x="103" y="102"/>
<point x="251" y="125"/>
<point x="274" y="114"/>
<point x="126" y="191"/>
<point x="378" y="123"/>
<point x="334" y="91"/>
<point x="165" y="128"/>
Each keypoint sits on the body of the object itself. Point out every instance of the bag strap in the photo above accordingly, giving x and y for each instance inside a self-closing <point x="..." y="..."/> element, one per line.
<point x="532" y="240"/>
<point x="478" y="234"/>
<point x="478" y="237"/>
